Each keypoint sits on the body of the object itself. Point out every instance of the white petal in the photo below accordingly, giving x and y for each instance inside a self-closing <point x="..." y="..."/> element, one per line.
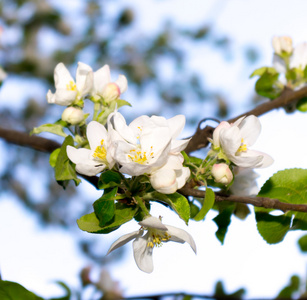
<point x="180" y="236"/>
<point x="122" y="83"/>
<point x="216" y="132"/>
<point x="62" y="76"/>
<point x="179" y="145"/>
<point x="78" y="155"/>
<point x="230" y="140"/>
<point x="143" y="254"/>
<point x="95" y="133"/>
<point x="176" y="125"/>
<point x="182" y="176"/>
<point x="90" y="170"/>
<point x="250" y="129"/>
<point x="124" y="240"/>
<point x="249" y="159"/>
<point x="84" y="78"/>
<point x="279" y="64"/>
<point x="50" y="97"/>
<point x="121" y="127"/>
<point x="65" y="97"/>
<point x="153" y="222"/>
<point x="101" y="78"/>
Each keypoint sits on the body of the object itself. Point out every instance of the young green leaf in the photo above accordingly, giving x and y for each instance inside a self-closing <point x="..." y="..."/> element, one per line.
<point x="109" y="179"/>
<point x="52" y="128"/>
<point x="207" y="205"/>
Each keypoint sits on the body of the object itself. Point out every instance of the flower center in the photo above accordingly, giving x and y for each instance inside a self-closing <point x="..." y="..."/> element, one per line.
<point x="141" y="157"/>
<point x="157" y="237"/>
<point x="71" y="86"/>
<point x="100" y="152"/>
<point x="242" y="148"/>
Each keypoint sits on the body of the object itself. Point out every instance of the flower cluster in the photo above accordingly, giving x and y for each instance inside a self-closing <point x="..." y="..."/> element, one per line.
<point x="231" y="147"/>
<point x="147" y="146"/>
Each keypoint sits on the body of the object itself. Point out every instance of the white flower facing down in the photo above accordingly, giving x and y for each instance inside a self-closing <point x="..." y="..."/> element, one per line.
<point x="103" y="87"/>
<point x="235" y="139"/>
<point x="92" y="161"/>
<point x="145" y="145"/>
<point x="282" y="44"/>
<point x="156" y="234"/>
<point x="245" y="183"/>
<point x="67" y="90"/>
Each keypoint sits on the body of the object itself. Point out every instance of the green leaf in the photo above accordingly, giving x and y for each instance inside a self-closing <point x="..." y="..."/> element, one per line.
<point x="52" y="128"/>
<point x="109" y="179"/>
<point x="53" y="157"/>
<point x="66" y="288"/>
<point x="266" y="85"/>
<point x="104" y="207"/>
<point x="14" y="291"/>
<point x="292" y="287"/>
<point x="121" y="102"/>
<point x="223" y="220"/>
<point x="64" y="168"/>
<point x="207" y="205"/>
<point x="177" y="202"/>
<point x="302" y="105"/>
<point x="220" y="292"/>
<point x="289" y="186"/>
<point x="302" y="242"/>
<point x="123" y="214"/>
<point x="262" y="70"/>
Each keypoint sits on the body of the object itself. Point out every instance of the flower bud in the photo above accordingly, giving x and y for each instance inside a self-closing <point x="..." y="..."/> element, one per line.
<point x="73" y="115"/>
<point x="282" y="44"/>
<point x="222" y="173"/>
<point x="111" y="92"/>
<point x="164" y="181"/>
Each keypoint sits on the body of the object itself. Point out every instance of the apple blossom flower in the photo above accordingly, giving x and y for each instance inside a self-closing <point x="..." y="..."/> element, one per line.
<point x="282" y="44"/>
<point x="245" y="183"/>
<point x="299" y="57"/>
<point x="145" y="145"/>
<point x="233" y="141"/>
<point x="171" y="177"/>
<point x="156" y="234"/>
<point x="73" y="115"/>
<point x="110" y="288"/>
<point x="92" y="161"/>
<point x="222" y="173"/>
<point x="3" y="74"/>
<point x="67" y="90"/>
<point x="103" y="87"/>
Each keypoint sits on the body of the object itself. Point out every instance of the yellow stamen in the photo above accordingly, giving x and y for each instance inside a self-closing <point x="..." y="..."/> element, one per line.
<point x="140" y="157"/>
<point x="157" y="237"/>
<point x="243" y="147"/>
<point x="100" y="152"/>
<point x="71" y="86"/>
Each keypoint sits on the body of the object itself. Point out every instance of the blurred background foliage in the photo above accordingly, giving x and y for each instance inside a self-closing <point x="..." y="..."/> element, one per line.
<point x="37" y="34"/>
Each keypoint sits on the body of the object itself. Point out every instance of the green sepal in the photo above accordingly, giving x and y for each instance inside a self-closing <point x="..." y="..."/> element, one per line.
<point x="302" y="105"/>
<point x="287" y="186"/>
<point x="52" y="128"/>
<point x="302" y="242"/>
<point x="223" y="220"/>
<point x="176" y="201"/>
<point x="207" y="205"/>
<point x="104" y="207"/>
<point x="123" y="214"/>
<point x="121" y="102"/>
<point x="11" y="290"/>
<point x="109" y="179"/>
<point x="64" y="168"/>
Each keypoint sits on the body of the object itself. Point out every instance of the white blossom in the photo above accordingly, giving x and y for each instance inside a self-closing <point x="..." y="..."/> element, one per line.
<point x="282" y="44"/>
<point x="94" y="160"/>
<point x="245" y="183"/>
<point x="67" y="90"/>
<point x="235" y="139"/>
<point x="110" y="288"/>
<point x="156" y="234"/>
<point x="299" y="56"/>
<point x="146" y="144"/>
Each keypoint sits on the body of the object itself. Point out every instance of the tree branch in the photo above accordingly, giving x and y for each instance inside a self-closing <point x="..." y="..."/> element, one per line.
<point x="255" y="201"/>
<point x="200" y="138"/>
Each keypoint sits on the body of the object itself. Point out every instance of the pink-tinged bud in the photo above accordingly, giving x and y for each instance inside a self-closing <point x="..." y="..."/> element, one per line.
<point x="111" y="92"/>
<point x="282" y="44"/>
<point x="73" y="115"/>
<point x="222" y="173"/>
<point x="164" y="181"/>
